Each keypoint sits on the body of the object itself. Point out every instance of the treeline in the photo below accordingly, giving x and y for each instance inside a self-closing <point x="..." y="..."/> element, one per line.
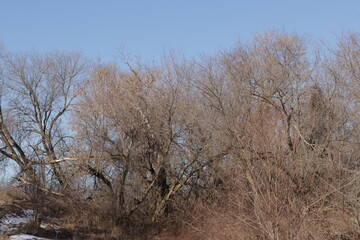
<point x="257" y="142"/>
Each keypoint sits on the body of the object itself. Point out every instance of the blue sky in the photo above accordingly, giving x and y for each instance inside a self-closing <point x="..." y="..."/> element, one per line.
<point x="147" y="28"/>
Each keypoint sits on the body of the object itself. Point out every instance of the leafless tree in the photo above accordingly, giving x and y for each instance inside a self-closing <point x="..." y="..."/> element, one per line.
<point x="144" y="134"/>
<point x="37" y="92"/>
<point x="260" y="141"/>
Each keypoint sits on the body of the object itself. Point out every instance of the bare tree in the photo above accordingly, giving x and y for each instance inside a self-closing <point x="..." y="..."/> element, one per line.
<point x="149" y="131"/>
<point x="289" y="125"/>
<point x="265" y="135"/>
<point x="37" y="92"/>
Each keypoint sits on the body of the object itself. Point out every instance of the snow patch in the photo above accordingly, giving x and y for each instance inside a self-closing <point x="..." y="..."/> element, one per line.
<point x="25" y="237"/>
<point x="10" y="221"/>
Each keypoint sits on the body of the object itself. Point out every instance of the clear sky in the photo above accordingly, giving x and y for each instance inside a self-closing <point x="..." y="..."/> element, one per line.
<point x="146" y="28"/>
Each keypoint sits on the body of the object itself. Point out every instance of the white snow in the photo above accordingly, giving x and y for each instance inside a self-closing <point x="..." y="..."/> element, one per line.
<point x="49" y="225"/>
<point x="9" y="221"/>
<point x="25" y="237"/>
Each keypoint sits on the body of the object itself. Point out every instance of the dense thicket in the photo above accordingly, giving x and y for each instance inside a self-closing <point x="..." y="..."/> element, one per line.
<point x="257" y="142"/>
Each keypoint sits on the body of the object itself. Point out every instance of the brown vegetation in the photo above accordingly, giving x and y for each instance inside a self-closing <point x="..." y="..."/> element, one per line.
<point x="258" y="142"/>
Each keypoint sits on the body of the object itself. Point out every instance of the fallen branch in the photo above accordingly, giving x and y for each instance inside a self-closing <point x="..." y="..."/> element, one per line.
<point x="55" y="161"/>
<point x="41" y="188"/>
